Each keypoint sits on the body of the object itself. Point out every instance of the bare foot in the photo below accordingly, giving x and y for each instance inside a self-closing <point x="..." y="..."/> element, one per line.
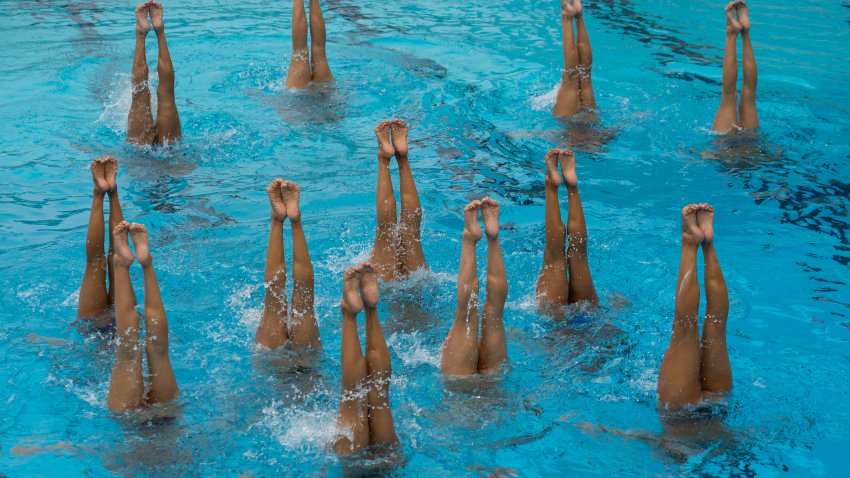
<point x="568" y="167"/>
<point x="291" y="193"/>
<point x="98" y="174"/>
<point x="733" y="26"/>
<point x="123" y="256"/>
<point x="275" y="197"/>
<point x="705" y="221"/>
<point x="552" y="174"/>
<point x="471" y="228"/>
<point x="691" y="233"/>
<point x="568" y="10"/>
<point x="577" y="6"/>
<point x="369" y="285"/>
<point x="399" y="129"/>
<point x="490" y="216"/>
<point x="743" y="15"/>
<point x="110" y="169"/>
<point x="351" y="301"/>
<point x="139" y="234"/>
<point x="155" y="9"/>
<point x="143" y="26"/>
<point x="385" y="147"/>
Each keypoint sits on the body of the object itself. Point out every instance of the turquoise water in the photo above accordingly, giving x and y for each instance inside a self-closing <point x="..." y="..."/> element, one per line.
<point x="476" y="82"/>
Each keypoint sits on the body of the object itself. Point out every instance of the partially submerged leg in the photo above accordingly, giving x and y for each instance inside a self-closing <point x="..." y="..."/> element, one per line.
<point x="493" y="345"/>
<point x="93" y="297"/>
<point x="140" y="125"/>
<point x="747" y="107"/>
<point x="272" y="331"/>
<point x="459" y="355"/>
<point x="299" y="66"/>
<point x="715" y="370"/>
<point x="303" y="328"/>
<point x="385" y="252"/>
<point x="378" y="364"/>
<point x="568" y="101"/>
<point x="126" y="387"/>
<point x="726" y="118"/>
<point x="116" y="216"/>
<point x="581" y="282"/>
<point x="679" y="377"/>
<point x="161" y="381"/>
<point x="552" y="285"/>
<point x="167" y="120"/>
<point x="321" y="69"/>
<point x="409" y="224"/>
<point x="585" y="60"/>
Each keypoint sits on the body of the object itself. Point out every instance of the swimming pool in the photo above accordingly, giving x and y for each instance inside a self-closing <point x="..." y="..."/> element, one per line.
<point x="476" y="84"/>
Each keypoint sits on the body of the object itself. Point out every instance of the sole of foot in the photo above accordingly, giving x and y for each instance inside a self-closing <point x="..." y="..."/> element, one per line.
<point x="567" y="160"/>
<point x="351" y="301"/>
<point x="399" y="130"/>
<point x="123" y="256"/>
<point x="139" y="234"/>
<point x="369" y="285"/>
<point x="490" y="217"/>
<point x="385" y="146"/>
<point x="143" y="26"/>
<point x="276" y="199"/>
<point x="691" y="233"/>
<point x="471" y="228"/>
<point x="291" y="194"/>
<point x="705" y="221"/>
<point x="98" y="174"/>
<point x="553" y="176"/>
<point x="155" y="11"/>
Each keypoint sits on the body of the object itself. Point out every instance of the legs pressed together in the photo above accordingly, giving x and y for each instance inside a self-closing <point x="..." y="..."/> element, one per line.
<point x="364" y="407"/>
<point x="278" y="323"/>
<point x="398" y="245"/>
<point x="554" y="286"/>
<point x="695" y="367"/>
<point x="728" y="118"/>
<point x="576" y="91"/>
<point x="463" y="352"/>
<point x="141" y="128"/>
<point x="301" y="70"/>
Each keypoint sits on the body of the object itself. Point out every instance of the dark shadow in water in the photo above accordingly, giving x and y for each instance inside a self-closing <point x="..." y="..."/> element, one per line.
<point x="316" y="104"/>
<point x="409" y="305"/>
<point x="154" y="442"/>
<point x="376" y="460"/>
<point x="290" y="373"/>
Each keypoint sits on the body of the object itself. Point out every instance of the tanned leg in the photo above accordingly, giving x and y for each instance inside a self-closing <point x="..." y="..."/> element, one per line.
<point x="747" y="107"/>
<point x="385" y="257"/>
<point x="321" y="69"/>
<point x="299" y="67"/>
<point x="303" y="328"/>
<point x="726" y="119"/>
<point x="116" y="216"/>
<point x="272" y="331"/>
<point x="581" y="283"/>
<point x="585" y="60"/>
<point x="679" y="377"/>
<point x="140" y="125"/>
<point x="93" y="297"/>
<point x="167" y="120"/>
<point x="460" y="349"/>
<point x="552" y="285"/>
<point x="410" y="222"/>
<point x="569" y="98"/>
<point x="493" y="346"/>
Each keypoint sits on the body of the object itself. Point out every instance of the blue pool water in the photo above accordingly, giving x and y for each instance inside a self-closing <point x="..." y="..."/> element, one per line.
<point x="476" y="82"/>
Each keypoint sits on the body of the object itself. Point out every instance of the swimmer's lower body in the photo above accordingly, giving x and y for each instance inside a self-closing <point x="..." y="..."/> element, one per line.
<point x="364" y="407"/>
<point x="141" y="128"/>
<point x="575" y="94"/>
<point x="728" y="118"/>
<point x="398" y="244"/>
<point x="95" y="299"/>
<point x="313" y="65"/>
<point x="463" y="352"/>
<point x="554" y="286"/>
<point x="278" y="324"/>
<point x="695" y="368"/>
<point x="126" y="385"/>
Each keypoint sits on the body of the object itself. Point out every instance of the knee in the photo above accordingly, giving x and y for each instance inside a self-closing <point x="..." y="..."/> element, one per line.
<point x="140" y="75"/>
<point x="497" y="287"/>
<point x="558" y="233"/>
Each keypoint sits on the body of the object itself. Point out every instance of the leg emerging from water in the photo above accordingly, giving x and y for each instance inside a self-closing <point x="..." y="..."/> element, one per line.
<point x="116" y="216"/>
<point x="715" y="370"/>
<point x="140" y="125"/>
<point x="161" y="381"/>
<point x="167" y="120"/>
<point x="93" y="302"/>
<point x="460" y="349"/>
<point x="410" y="223"/>
<point x="552" y="285"/>
<point x="321" y="69"/>
<point x="747" y="107"/>
<point x="493" y="346"/>
<point x="726" y="119"/>
<point x="679" y="377"/>
<point x="585" y="59"/>
<point x="303" y="328"/>
<point x="385" y="257"/>
<point x="272" y="332"/>
<point x="581" y="282"/>
<point x="126" y="386"/>
<point x="568" y="101"/>
<point x="299" y="67"/>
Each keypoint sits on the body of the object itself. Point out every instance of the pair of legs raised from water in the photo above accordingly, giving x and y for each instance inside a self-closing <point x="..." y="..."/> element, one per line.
<point x="364" y="407"/>
<point x="695" y="368"/>
<point x="554" y="287"/>
<point x="398" y="245"/>
<point x="141" y="128"/>
<point x="576" y="91"/>
<point x="278" y="324"/>
<point x="307" y="66"/>
<point x="728" y="118"/>
<point x="463" y="352"/>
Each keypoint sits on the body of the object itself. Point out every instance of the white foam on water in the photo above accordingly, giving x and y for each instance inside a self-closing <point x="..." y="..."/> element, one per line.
<point x="301" y="430"/>
<point x="412" y="351"/>
<point x="247" y="310"/>
<point x="545" y="101"/>
<point x="118" y="101"/>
